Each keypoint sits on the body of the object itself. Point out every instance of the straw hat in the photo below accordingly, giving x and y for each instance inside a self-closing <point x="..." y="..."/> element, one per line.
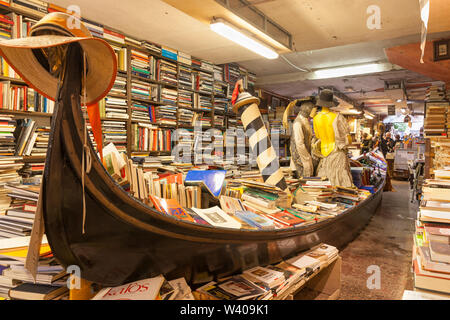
<point x="28" y="56"/>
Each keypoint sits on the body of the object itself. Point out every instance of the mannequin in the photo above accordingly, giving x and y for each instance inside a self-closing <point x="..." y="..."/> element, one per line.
<point x="302" y="136"/>
<point x="333" y="133"/>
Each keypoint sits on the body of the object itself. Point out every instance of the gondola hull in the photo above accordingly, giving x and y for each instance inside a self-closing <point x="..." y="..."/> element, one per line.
<point x="125" y="240"/>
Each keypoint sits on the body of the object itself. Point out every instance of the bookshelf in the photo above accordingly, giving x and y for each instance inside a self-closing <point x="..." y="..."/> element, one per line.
<point x="209" y="87"/>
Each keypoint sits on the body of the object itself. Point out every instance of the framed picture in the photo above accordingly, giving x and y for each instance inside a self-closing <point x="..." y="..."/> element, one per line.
<point x="275" y="102"/>
<point x="441" y="50"/>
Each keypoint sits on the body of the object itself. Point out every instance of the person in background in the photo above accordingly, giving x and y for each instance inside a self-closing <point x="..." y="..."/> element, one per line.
<point x="387" y="144"/>
<point x="366" y="143"/>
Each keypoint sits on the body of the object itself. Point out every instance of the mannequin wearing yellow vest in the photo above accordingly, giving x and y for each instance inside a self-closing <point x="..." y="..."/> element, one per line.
<point x="333" y="134"/>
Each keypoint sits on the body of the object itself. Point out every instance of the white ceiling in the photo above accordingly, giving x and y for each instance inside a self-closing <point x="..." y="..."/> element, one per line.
<point x="326" y="33"/>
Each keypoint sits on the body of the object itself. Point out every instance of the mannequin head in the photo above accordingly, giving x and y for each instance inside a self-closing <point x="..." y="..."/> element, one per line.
<point x="306" y="108"/>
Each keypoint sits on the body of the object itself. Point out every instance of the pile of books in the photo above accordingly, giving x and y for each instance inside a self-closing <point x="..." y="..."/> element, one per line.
<point x="9" y="167"/>
<point x="205" y="103"/>
<point x="142" y="112"/>
<point x="221" y="105"/>
<point x="167" y="72"/>
<point x="120" y="86"/>
<point x="218" y="73"/>
<point x="140" y="64"/>
<point x="219" y="121"/>
<point x="270" y="282"/>
<point x="185" y="117"/>
<point x="115" y="108"/>
<point x="113" y="36"/>
<point x="431" y="255"/>
<point x="347" y="195"/>
<point x="435" y="93"/>
<point x="436" y="119"/>
<point x="169" y="96"/>
<point x="19" y="217"/>
<point x="185" y="98"/>
<point x="202" y="119"/>
<point x="144" y="90"/>
<point x="204" y="82"/>
<point x="314" y="189"/>
<point x="185" y="77"/>
<point x="40" y="140"/>
<point x="166" y="115"/>
<point x="441" y="153"/>
<point x="31" y="173"/>
<point x="7" y="139"/>
<point x="152" y="47"/>
<point x="18" y="284"/>
<point x="185" y="59"/>
<point x="115" y="132"/>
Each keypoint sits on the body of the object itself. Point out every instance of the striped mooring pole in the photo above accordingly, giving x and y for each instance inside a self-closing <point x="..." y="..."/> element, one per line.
<point x="246" y="107"/>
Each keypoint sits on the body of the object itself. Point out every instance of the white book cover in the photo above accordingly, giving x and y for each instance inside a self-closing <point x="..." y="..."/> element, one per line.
<point x="217" y="217"/>
<point x="304" y="262"/>
<point x="147" y="289"/>
<point x="265" y="275"/>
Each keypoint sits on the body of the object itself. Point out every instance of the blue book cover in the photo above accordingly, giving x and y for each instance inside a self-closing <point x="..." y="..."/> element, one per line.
<point x="211" y="180"/>
<point x="255" y="219"/>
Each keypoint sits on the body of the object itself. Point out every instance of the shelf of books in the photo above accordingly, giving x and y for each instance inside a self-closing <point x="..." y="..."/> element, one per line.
<point x="155" y="85"/>
<point x="431" y="254"/>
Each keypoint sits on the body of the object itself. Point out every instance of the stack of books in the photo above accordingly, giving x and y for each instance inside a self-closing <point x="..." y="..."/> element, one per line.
<point x="435" y="93"/>
<point x="144" y="90"/>
<point x="431" y="255"/>
<point x="9" y="175"/>
<point x="113" y="36"/>
<point x="347" y="195"/>
<point x="7" y="139"/>
<point x="140" y="64"/>
<point x="152" y="47"/>
<point x="115" y="132"/>
<point x="205" y="103"/>
<point x="169" y="96"/>
<point x="32" y="173"/>
<point x="184" y="58"/>
<point x="218" y="73"/>
<point x="18" y="284"/>
<point x="311" y="189"/>
<point x="41" y="138"/>
<point x="436" y="119"/>
<point x="221" y="105"/>
<point x="185" y="98"/>
<point x="19" y="217"/>
<point x="115" y="108"/>
<point x="142" y="112"/>
<point x="219" y="121"/>
<point x="231" y="73"/>
<point x="185" y="117"/>
<point x="120" y="86"/>
<point x="204" y="82"/>
<point x="95" y="28"/>
<point x="166" y="115"/>
<point x="186" y="77"/>
<point x="167" y="72"/>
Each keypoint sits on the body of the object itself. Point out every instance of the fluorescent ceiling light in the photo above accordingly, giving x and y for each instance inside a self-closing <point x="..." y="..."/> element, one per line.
<point x="231" y="33"/>
<point x="349" y="71"/>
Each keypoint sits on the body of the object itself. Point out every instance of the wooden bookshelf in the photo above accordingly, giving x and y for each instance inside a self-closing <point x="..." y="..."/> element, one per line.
<point x="129" y="77"/>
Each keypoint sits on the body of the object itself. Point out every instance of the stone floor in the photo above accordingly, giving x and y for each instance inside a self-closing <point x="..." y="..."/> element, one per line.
<point x="385" y="243"/>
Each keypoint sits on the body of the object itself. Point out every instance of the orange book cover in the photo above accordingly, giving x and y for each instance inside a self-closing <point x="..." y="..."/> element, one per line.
<point x="173" y="178"/>
<point x="171" y="207"/>
<point x="286" y="217"/>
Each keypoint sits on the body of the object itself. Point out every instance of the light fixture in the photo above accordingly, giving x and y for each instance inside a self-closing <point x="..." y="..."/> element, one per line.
<point x="399" y="100"/>
<point x="232" y="33"/>
<point x="349" y="71"/>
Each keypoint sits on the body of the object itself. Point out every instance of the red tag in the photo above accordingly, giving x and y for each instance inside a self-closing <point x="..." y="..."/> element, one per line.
<point x="235" y="93"/>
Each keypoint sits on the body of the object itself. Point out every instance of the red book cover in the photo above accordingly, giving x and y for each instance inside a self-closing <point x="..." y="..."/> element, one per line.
<point x="6" y="20"/>
<point x="1" y="96"/>
<point x="286" y="218"/>
<point x="114" y="34"/>
<point x="173" y="178"/>
<point x="15" y="98"/>
<point x="25" y="98"/>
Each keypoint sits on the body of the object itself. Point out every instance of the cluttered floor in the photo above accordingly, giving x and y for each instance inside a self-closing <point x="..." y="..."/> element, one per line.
<point x="377" y="264"/>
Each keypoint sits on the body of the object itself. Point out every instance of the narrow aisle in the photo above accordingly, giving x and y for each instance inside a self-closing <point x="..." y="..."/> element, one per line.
<point x="386" y="245"/>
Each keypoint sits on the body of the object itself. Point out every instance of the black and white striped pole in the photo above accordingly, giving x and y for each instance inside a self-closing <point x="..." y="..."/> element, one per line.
<point x="246" y="107"/>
